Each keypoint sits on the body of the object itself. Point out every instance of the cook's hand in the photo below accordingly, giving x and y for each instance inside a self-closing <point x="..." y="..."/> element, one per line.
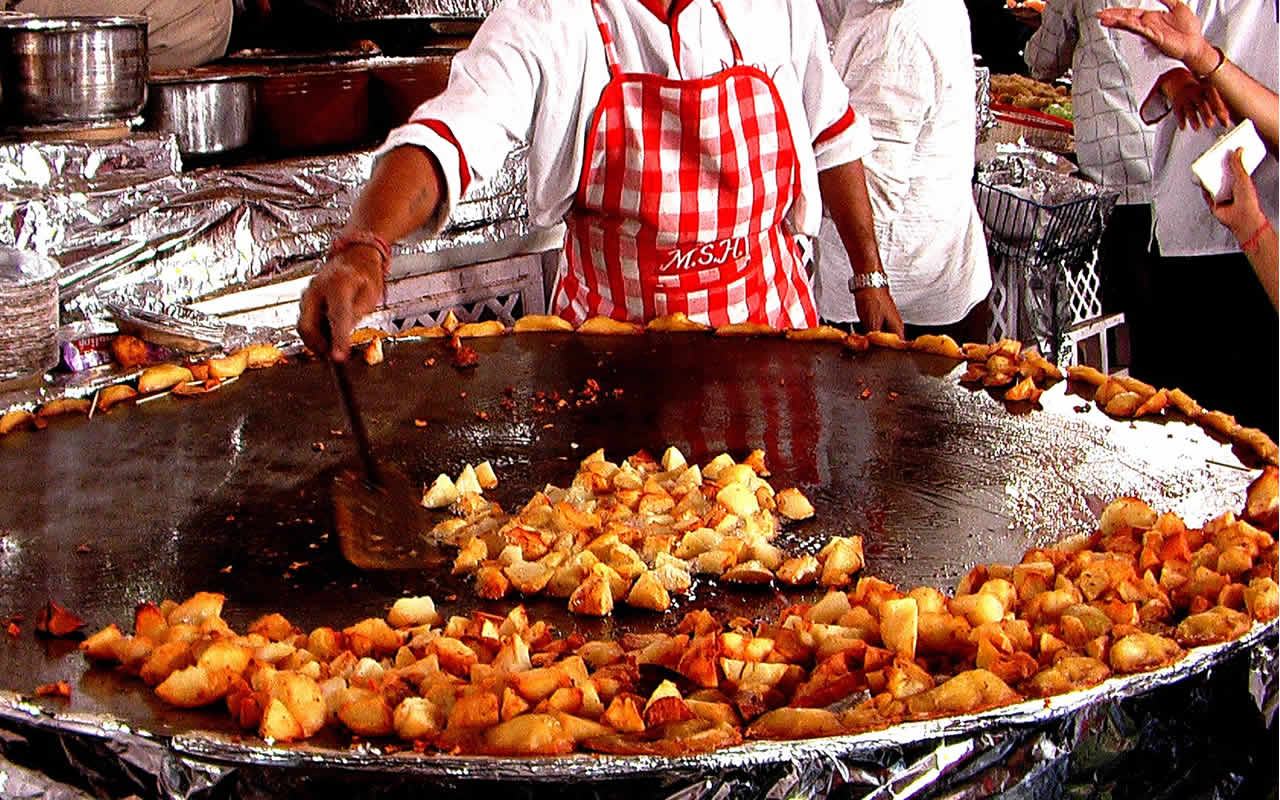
<point x="1175" y="32"/>
<point x="1242" y="214"/>
<point x="1194" y="103"/>
<point x="877" y="311"/>
<point x="345" y="289"/>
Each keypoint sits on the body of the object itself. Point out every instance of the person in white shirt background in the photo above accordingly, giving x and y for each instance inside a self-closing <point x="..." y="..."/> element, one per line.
<point x="1177" y="33"/>
<point x="909" y="68"/>
<point x="688" y="145"/>
<point x="1113" y="145"/>
<point x="1214" y="323"/>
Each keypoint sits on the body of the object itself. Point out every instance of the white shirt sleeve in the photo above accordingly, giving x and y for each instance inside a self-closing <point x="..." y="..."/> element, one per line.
<point x="490" y="103"/>
<point x="841" y="134"/>
<point x="1049" y="51"/>
<point x="894" y="82"/>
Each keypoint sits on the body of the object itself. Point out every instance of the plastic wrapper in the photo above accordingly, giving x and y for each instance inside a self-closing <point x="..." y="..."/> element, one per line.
<point x="170" y="237"/>
<point x="430" y="9"/>
<point x="1191" y="728"/>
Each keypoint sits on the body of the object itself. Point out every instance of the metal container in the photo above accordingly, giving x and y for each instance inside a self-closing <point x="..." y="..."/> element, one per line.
<point x="209" y="115"/>
<point x="69" y="70"/>
<point x="314" y="110"/>
<point x="28" y="313"/>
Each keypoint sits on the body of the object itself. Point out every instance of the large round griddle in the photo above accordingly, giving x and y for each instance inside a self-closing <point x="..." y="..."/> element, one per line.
<point x="229" y="491"/>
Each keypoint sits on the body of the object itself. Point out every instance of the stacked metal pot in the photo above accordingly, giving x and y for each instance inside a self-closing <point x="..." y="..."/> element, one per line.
<point x="72" y="73"/>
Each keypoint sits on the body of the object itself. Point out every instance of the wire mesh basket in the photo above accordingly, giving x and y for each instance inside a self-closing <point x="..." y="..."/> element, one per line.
<point x="1043" y="231"/>
<point x="1017" y="124"/>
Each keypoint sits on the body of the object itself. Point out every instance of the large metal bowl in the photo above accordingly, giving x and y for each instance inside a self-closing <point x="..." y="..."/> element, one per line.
<point x="209" y="115"/>
<point x="68" y="70"/>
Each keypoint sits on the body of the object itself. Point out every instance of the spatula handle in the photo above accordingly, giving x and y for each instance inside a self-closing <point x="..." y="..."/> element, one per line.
<point x="357" y="422"/>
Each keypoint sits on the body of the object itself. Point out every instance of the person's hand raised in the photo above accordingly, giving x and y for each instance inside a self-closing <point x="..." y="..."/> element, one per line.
<point x="1193" y="103"/>
<point x="1175" y="32"/>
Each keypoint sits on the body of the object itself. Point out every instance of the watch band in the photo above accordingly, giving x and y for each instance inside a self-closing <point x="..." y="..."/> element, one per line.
<point x="367" y="238"/>
<point x="868" y="280"/>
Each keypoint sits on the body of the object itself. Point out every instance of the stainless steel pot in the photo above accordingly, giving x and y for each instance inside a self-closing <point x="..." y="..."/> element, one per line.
<point x="61" y="70"/>
<point x="209" y="115"/>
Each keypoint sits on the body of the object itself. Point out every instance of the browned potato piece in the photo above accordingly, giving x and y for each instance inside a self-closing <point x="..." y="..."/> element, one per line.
<point x="193" y="687"/>
<point x="1024" y="390"/>
<point x="648" y="592"/>
<point x="1262" y="598"/>
<point x="1218" y="624"/>
<point x="1124" y="405"/>
<point x="278" y="725"/>
<point x="478" y="330"/>
<point x="799" y="571"/>
<point x="1143" y="652"/>
<point x="1219" y="421"/>
<point x="604" y="326"/>
<point x="161" y="377"/>
<point x="367" y="715"/>
<point x="373" y="354"/>
<point x="941" y="345"/>
<point x="114" y="395"/>
<point x="64" y="405"/>
<point x="887" y="339"/>
<point x="540" y="323"/>
<point x="262" y="355"/>
<point x="793" y="505"/>
<point x="1086" y="374"/>
<point x="1067" y="675"/>
<point x="678" y="322"/>
<point x="972" y="690"/>
<point x="822" y="333"/>
<point x="103" y="645"/>
<point x="857" y="343"/>
<point x="18" y="418"/>
<point x="422" y="332"/>
<point x="899" y="620"/>
<point x="746" y="329"/>
<point x="1183" y="402"/>
<point x="528" y="735"/>
<point x="128" y="351"/>
<point x="795" y="723"/>
<point x="229" y="366"/>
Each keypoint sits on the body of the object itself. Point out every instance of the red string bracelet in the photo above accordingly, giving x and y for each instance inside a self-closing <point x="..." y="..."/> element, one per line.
<point x="1252" y="242"/>
<point x="367" y="238"/>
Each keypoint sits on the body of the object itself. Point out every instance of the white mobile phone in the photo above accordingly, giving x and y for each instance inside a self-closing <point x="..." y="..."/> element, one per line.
<point x="1213" y="169"/>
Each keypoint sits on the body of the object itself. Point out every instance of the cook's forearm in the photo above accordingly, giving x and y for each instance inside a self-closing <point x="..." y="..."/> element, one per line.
<point x="844" y="194"/>
<point x="402" y="195"/>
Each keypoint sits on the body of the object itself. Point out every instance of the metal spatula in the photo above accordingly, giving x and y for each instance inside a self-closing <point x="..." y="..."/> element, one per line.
<point x="377" y="511"/>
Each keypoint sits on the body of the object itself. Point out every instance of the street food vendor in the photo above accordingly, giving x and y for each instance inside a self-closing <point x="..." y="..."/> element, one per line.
<point x="689" y="146"/>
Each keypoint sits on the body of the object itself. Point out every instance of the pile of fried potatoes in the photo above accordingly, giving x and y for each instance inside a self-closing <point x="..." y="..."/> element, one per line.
<point x="1129" y="598"/>
<point x="1019" y="90"/>
<point x="637" y="532"/>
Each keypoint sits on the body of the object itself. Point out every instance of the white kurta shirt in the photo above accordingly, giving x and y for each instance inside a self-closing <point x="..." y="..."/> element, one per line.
<point x="1247" y="31"/>
<point x="909" y="68"/>
<point x="1113" y="145"/>
<point x="535" y="70"/>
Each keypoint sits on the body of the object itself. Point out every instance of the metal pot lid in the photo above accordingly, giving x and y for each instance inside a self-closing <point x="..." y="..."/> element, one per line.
<point x="71" y="23"/>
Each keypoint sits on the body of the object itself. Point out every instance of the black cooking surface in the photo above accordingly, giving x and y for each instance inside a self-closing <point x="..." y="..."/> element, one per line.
<point x="229" y="492"/>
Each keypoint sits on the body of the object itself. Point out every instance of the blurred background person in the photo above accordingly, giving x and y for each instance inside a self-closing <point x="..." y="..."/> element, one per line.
<point x="998" y="38"/>
<point x="1212" y="327"/>
<point x="1113" y="145"/>
<point x="909" y="68"/>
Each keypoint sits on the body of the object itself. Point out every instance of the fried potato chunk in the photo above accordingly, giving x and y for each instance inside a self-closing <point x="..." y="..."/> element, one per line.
<point x="821" y="333"/>
<point x="972" y="690"/>
<point x="605" y="326"/>
<point x="1143" y="652"/>
<point x="795" y="723"/>
<point x="677" y="322"/>
<point x="542" y="323"/>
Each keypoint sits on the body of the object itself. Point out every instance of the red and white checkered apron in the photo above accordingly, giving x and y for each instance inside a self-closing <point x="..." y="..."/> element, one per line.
<point x="683" y="199"/>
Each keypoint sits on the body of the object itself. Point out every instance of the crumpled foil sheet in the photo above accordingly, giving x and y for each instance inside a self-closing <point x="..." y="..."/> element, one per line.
<point x="1036" y="748"/>
<point x="435" y="9"/>
<point x="985" y="119"/>
<point x="127" y="225"/>
<point x="1039" y="215"/>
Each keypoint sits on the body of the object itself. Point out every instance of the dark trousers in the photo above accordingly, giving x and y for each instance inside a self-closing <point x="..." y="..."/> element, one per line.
<point x="1204" y="324"/>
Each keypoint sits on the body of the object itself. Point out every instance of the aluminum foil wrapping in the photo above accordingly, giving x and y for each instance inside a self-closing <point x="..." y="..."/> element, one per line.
<point x="430" y="9"/>
<point x="1191" y="729"/>
<point x="149" y="233"/>
<point x="985" y="119"/>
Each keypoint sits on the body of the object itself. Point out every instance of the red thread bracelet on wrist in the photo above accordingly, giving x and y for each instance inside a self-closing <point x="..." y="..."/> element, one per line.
<point x="1252" y="242"/>
<point x="367" y="238"/>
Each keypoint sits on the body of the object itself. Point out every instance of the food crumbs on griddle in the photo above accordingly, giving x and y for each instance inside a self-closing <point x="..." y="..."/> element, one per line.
<point x="1084" y="409"/>
<point x="59" y="689"/>
<point x="462" y="395"/>
<point x="482" y="415"/>
<point x="54" y="620"/>
<point x="226" y="570"/>
<point x="420" y="423"/>
<point x="14" y="630"/>
<point x="865" y="394"/>
<point x="430" y="362"/>
<point x="318" y="446"/>
<point x="336" y="432"/>
<point x="231" y="518"/>
<point x="893" y="395"/>
<point x="84" y="548"/>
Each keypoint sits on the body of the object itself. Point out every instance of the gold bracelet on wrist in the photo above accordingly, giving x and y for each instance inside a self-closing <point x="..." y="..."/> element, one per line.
<point x="1222" y="59"/>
